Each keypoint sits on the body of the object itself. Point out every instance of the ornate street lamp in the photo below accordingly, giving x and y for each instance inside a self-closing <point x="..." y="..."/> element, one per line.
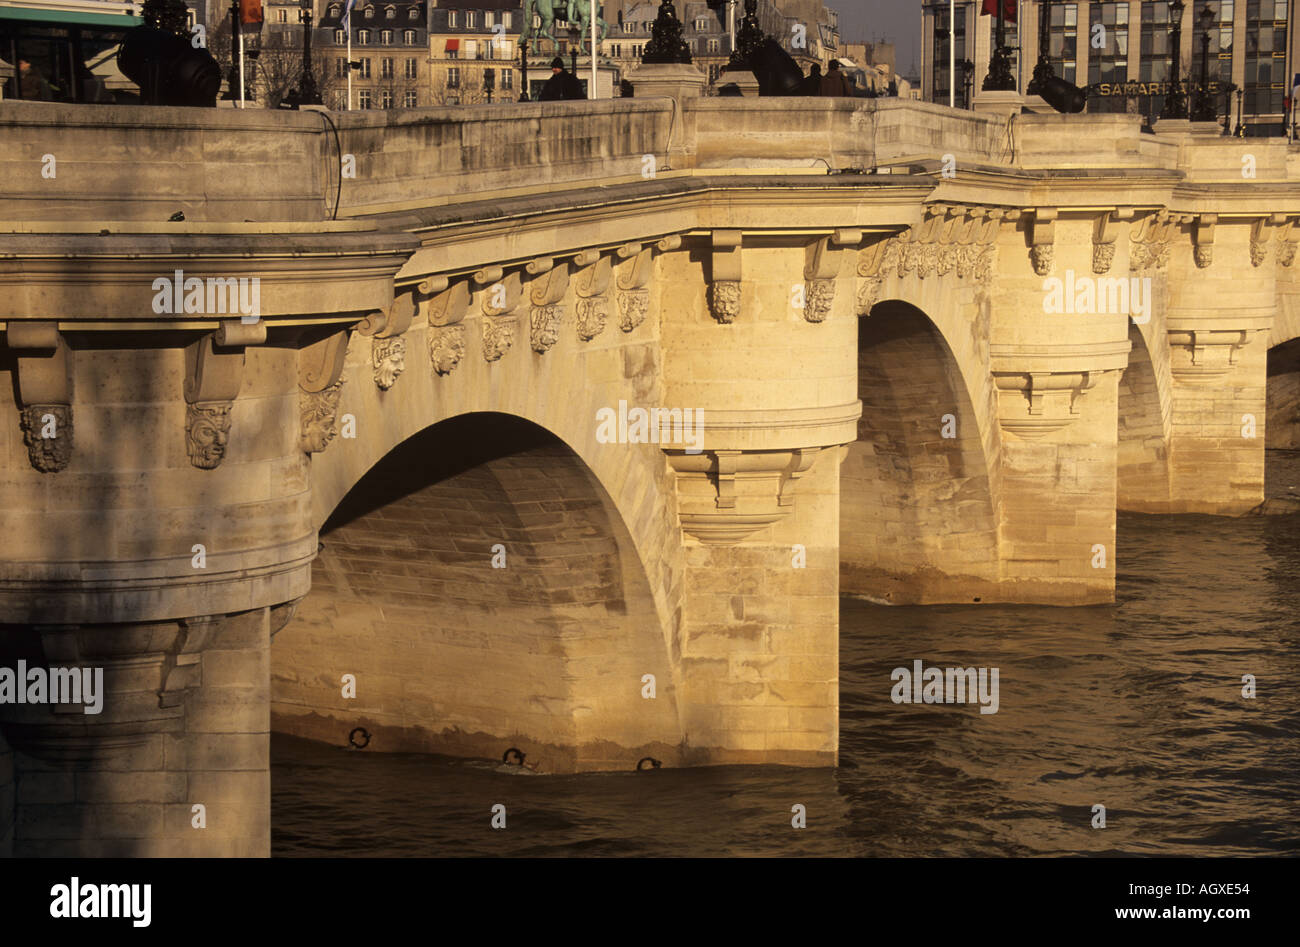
<point x="308" y="93"/>
<point x="1000" y="78"/>
<point x="1228" y="89"/>
<point x="1057" y="92"/>
<point x="1175" y="101"/>
<point x="1204" y="111"/>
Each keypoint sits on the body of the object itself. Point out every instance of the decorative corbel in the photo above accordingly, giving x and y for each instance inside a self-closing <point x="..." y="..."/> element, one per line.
<point x="1203" y="239"/>
<point x="546" y="292"/>
<point x="387" y="347"/>
<point x="214" y="371"/>
<point x="1259" y="241"/>
<point x="320" y="384"/>
<point x="1033" y="404"/>
<point x="596" y="271"/>
<point x="448" y="307"/>
<point x="725" y="496"/>
<point x="1104" y="235"/>
<point x="44" y="375"/>
<point x="1285" y="245"/>
<point x="872" y="270"/>
<point x="724" y="287"/>
<point x="1206" y="355"/>
<point x="633" y="282"/>
<point x="821" y="268"/>
<point x="1042" y="239"/>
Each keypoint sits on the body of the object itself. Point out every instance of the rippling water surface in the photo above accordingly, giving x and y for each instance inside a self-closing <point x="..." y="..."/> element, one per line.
<point x="1136" y="706"/>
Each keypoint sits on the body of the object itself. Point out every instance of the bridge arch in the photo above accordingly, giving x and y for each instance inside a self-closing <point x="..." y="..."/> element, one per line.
<point x="918" y="521"/>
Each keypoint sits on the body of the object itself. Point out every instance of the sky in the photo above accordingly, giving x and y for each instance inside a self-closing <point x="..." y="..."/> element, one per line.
<point x="896" y="20"/>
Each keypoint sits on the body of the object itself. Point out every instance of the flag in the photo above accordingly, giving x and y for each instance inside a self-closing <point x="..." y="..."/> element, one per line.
<point x="250" y="14"/>
<point x="347" y="14"/>
<point x="1008" y="9"/>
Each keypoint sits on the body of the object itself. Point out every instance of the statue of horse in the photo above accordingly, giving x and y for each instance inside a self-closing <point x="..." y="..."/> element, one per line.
<point x="580" y="12"/>
<point x="545" y="9"/>
<point x="573" y="11"/>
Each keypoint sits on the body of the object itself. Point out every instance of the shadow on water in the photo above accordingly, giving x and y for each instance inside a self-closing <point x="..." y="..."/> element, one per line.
<point x="1135" y="706"/>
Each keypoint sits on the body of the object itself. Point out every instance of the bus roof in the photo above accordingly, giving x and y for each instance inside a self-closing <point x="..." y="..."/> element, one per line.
<point x="81" y="12"/>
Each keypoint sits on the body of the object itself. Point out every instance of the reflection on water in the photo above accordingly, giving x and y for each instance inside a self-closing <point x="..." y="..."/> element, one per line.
<point x="1136" y="706"/>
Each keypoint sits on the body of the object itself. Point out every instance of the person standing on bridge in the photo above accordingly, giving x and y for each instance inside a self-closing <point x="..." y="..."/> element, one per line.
<point x="561" y="85"/>
<point x="835" y="84"/>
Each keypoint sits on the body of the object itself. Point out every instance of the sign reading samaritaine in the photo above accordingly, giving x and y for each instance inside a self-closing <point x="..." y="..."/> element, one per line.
<point x="1144" y="88"/>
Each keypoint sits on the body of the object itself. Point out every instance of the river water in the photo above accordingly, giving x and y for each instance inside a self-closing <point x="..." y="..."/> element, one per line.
<point x="1135" y="706"/>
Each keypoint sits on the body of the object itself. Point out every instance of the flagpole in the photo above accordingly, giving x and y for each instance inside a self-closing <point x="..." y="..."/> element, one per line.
<point x="241" y="65"/>
<point x="349" y="62"/>
<point x="594" y="17"/>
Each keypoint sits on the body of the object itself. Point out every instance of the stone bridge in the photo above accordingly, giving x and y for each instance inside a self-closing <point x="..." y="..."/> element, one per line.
<point x="419" y="456"/>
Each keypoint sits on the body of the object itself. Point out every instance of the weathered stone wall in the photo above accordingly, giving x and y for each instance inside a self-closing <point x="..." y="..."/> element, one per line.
<point x="1284" y="397"/>
<point x="545" y="650"/>
<point x="124" y="782"/>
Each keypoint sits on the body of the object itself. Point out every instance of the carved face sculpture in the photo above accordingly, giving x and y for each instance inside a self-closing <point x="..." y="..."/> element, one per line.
<point x="319" y="410"/>
<point x="209" y="431"/>
<point x="389" y="361"/>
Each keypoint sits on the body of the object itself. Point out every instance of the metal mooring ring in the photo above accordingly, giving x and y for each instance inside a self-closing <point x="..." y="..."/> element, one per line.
<point x="654" y="763"/>
<point x="505" y="757"/>
<point x="352" y="737"/>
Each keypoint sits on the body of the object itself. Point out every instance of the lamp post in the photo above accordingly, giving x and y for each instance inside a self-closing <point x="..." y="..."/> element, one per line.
<point x="1175" y="101"/>
<point x="1228" y="89"/>
<point x="968" y="81"/>
<point x="1000" y="78"/>
<point x="1203" y="111"/>
<point x="1240" y="130"/>
<point x="1043" y="70"/>
<point x="523" y="68"/>
<point x="308" y="93"/>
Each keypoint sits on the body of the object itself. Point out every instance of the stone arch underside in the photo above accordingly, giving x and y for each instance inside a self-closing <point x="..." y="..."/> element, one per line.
<point x="452" y="655"/>
<point x="1282" y="424"/>
<point x="917" y="521"/>
<point x="1144" y="426"/>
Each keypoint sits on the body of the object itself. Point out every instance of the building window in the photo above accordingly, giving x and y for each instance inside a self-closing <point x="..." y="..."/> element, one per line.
<point x="390" y="13"/>
<point x="1063" y="40"/>
<point x="506" y="19"/>
<point x="629" y="27"/>
<point x="488" y="20"/>
<point x="507" y="78"/>
<point x="370" y="13"/>
<point x="363" y="99"/>
<point x="469" y="19"/>
<point x="363" y="37"/>
<point x="414" y="14"/>
<point x="1108" y="65"/>
<point x="386" y="99"/>
<point x="282" y="16"/>
<point x="1265" y="57"/>
<point x="452" y="19"/>
<point x="385" y="37"/>
<point x="335" y="10"/>
<point x="340" y="38"/>
<point x="1221" y="41"/>
<point x="408" y="37"/>
<point x="453" y="78"/>
<point x="714" y="70"/>
<point x="941" y="52"/>
<point x="702" y="25"/>
<point x="365" y="69"/>
<point x="410" y="100"/>
<point x="411" y="69"/>
<point x="340" y="67"/>
<point x="472" y="50"/>
<point x="1153" y="62"/>
<point x="453" y="49"/>
<point x="714" y="46"/>
<point x="636" y="52"/>
<point x="386" y="68"/>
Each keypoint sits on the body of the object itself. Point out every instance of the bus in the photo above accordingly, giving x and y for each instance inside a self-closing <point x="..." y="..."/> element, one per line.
<point x="65" y="50"/>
